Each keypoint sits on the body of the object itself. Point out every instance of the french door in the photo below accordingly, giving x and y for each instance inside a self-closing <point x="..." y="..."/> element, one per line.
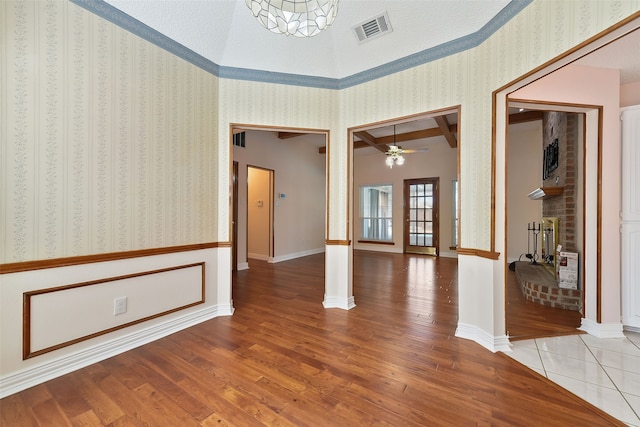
<point x="421" y="216"/>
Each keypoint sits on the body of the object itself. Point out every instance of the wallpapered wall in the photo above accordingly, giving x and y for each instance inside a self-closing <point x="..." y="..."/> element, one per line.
<point x="108" y="142"/>
<point x="112" y="143"/>
<point x="542" y="31"/>
<point x="243" y="102"/>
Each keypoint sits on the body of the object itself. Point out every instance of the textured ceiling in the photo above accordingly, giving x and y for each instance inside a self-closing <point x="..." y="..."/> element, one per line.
<point x="226" y="33"/>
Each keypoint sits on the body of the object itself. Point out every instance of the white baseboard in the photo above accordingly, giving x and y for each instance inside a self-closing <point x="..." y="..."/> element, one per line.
<point x="488" y="341"/>
<point x="295" y="255"/>
<point x="36" y="375"/>
<point x="243" y="266"/>
<point x="379" y="248"/>
<point x="632" y="329"/>
<point x="601" y="330"/>
<point x="447" y="254"/>
<point x="398" y="250"/>
<point x="338" y="302"/>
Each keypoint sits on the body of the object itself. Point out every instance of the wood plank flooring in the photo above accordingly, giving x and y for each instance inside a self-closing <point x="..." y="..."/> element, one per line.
<point x="284" y="360"/>
<point x="527" y="319"/>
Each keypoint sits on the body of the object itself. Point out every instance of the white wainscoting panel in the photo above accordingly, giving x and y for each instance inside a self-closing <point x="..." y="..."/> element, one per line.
<point x="159" y="304"/>
<point x="78" y="311"/>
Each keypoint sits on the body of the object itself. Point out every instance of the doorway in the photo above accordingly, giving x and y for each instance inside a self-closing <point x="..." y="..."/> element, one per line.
<point x="545" y="199"/>
<point x="234" y="218"/>
<point x="295" y="201"/>
<point x="260" y="213"/>
<point x="427" y="142"/>
<point x="561" y="85"/>
<point x="421" y="216"/>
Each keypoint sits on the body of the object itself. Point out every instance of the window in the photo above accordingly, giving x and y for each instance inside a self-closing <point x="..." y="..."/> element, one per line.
<point x="239" y="139"/>
<point x="376" y="212"/>
<point x="454" y="210"/>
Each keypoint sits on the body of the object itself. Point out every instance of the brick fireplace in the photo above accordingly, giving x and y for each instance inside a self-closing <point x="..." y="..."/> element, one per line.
<point x="562" y="127"/>
<point x="538" y="284"/>
<point x="559" y="197"/>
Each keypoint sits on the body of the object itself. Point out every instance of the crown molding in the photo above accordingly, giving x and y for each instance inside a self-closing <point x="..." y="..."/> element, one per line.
<point x="117" y="17"/>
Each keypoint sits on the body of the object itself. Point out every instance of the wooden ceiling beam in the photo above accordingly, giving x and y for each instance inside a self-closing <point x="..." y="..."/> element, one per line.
<point x="526" y="116"/>
<point x="384" y="141"/>
<point x="287" y="135"/>
<point x="356" y="145"/>
<point x="370" y="140"/>
<point x="418" y="134"/>
<point x="443" y="125"/>
<point x="444" y="129"/>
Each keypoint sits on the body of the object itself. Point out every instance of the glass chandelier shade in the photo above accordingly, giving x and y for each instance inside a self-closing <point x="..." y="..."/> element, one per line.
<point x="394" y="156"/>
<point x="300" y="18"/>
<point x="394" y="153"/>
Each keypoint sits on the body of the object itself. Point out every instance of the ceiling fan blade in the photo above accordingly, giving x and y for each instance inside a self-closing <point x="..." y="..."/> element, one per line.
<point x="400" y="152"/>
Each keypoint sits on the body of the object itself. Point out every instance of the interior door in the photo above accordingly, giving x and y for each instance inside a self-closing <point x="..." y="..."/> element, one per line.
<point x="421" y="216"/>
<point x="260" y="184"/>
<point x="234" y="221"/>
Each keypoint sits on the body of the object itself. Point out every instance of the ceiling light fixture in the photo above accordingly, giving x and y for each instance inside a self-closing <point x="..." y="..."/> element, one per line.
<point x="300" y="18"/>
<point x="394" y="154"/>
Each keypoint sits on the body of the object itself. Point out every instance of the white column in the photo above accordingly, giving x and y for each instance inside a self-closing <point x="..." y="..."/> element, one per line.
<point x="339" y="277"/>
<point x="630" y="227"/>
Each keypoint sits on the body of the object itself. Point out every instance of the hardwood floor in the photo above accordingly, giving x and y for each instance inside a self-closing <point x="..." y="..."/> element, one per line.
<point x="527" y="320"/>
<point x="282" y="359"/>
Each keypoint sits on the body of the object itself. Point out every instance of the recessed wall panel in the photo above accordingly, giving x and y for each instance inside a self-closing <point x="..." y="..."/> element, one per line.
<point x="63" y="315"/>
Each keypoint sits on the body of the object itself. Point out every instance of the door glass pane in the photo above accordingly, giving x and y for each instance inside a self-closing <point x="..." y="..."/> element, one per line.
<point x="420" y="215"/>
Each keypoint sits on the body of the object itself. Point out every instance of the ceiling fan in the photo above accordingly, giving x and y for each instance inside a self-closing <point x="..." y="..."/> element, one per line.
<point x="395" y="152"/>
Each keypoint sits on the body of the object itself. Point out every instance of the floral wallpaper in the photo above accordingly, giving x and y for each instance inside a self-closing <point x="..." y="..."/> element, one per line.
<point x="108" y="142"/>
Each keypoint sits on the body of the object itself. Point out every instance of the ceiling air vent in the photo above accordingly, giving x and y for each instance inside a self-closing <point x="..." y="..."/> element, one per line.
<point x="372" y="28"/>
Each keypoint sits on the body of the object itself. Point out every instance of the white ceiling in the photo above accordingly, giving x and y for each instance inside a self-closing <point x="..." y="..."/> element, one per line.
<point x="226" y="33"/>
<point x="622" y="54"/>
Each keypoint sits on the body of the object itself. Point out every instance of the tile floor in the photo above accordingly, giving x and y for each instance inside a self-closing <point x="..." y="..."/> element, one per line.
<point x="604" y="372"/>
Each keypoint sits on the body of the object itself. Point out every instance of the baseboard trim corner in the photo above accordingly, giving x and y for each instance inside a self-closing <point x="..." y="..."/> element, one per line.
<point x="601" y="330"/>
<point x="295" y="255"/>
<point x="488" y="341"/>
<point x="339" y="302"/>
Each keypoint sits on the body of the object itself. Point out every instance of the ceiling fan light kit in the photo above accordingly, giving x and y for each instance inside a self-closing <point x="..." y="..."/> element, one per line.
<point x="299" y="18"/>
<point x="394" y="156"/>
<point x="394" y="153"/>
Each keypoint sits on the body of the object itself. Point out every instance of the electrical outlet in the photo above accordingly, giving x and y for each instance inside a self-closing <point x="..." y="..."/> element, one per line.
<point x="119" y="306"/>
